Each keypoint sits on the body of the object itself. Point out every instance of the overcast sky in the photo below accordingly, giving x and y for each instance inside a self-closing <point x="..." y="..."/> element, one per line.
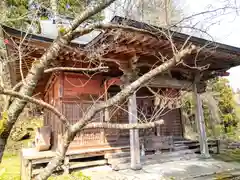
<point x="226" y="30"/>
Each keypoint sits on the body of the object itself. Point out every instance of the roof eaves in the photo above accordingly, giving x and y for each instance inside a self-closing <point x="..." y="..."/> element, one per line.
<point x="8" y="30"/>
<point x="178" y="36"/>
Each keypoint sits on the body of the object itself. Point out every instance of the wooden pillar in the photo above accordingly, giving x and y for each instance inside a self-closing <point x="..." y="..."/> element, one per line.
<point x="200" y="120"/>
<point x="134" y="134"/>
<point x="105" y="114"/>
<point x="129" y="75"/>
<point x="102" y="131"/>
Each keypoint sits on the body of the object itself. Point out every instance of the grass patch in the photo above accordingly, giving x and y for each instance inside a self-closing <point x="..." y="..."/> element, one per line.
<point x="10" y="170"/>
<point x="11" y="162"/>
<point x="228" y="156"/>
<point x="10" y="167"/>
<point x="74" y="175"/>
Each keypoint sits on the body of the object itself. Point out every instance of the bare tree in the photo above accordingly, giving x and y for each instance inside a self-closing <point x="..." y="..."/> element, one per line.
<point x="72" y="130"/>
<point x="84" y="122"/>
<point x="40" y="66"/>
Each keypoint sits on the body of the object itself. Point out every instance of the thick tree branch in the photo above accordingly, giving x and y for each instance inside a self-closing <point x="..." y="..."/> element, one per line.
<point x="17" y="86"/>
<point x="124" y="126"/>
<point x="9" y="99"/>
<point x="101" y="69"/>
<point x="128" y="90"/>
<point x="89" y="13"/>
<point x="81" y="31"/>
<point x="35" y="101"/>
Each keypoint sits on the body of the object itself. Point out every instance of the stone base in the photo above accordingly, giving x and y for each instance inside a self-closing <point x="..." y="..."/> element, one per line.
<point x="205" y="156"/>
<point x="136" y="167"/>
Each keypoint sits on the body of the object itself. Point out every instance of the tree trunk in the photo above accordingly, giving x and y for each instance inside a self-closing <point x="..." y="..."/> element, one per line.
<point x="3" y="143"/>
<point x="38" y="66"/>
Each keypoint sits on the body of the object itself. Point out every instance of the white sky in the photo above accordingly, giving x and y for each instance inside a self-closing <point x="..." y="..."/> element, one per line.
<point x="226" y="31"/>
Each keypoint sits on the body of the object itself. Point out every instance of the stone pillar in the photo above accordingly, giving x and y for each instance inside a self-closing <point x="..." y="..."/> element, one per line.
<point x="134" y="134"/>
<point x="200" y="121"/>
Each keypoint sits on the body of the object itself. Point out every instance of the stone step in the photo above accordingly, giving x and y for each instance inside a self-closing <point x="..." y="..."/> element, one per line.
<point x="178" y="148"/>
<point x="164" y="156"/>
<point x="184" y="142"/>
<point x="176" y="145"/>
<point x="116" y="155"/>
<point x="169" y="159"/>
<point x="182" y="152"/>
<point x="122" y="160"/>
<point x="154" y="160"/>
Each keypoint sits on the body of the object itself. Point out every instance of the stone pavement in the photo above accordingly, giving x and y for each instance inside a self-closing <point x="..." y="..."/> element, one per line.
<point x="196" y="168"/>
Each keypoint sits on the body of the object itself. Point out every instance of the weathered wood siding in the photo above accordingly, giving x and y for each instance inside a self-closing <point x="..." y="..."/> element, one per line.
<point x="117" y="114"/>
<point x="172" y="124"/>
<point x="73" y="94"/>
<point x="74" y="111"/>
<point x="79" y="93"/>
<point x="76" y="85"/>
<point x="52" y="97"/>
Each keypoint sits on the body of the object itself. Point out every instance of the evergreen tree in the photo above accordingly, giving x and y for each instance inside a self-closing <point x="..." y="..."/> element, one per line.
<point x="17" y="12"/>
<point x="24" y="13"/>
<point x="219" y="108"/>
<point x="225" y="97"/>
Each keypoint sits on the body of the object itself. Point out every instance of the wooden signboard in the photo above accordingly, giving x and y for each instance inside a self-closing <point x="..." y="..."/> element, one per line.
<point x="43" y="138"/>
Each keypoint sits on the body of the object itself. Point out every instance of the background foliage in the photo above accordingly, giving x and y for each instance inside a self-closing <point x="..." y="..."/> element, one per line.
<point x="222" y="121"/>
<point x="22" y="14"/>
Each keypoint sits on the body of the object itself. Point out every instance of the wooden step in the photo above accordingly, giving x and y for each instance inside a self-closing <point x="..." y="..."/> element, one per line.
<point x="74" y="165"/>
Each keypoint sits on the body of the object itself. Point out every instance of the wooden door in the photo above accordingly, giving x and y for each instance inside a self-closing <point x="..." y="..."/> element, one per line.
<point x="75" y="111"/>
<point x="117" y="114"/>
<point x="145" y="114"/>
<point x="172" y="124"/>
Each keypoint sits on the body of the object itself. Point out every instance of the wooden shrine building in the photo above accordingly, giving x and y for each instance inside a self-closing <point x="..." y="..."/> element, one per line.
<point x="72" y="93"/>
